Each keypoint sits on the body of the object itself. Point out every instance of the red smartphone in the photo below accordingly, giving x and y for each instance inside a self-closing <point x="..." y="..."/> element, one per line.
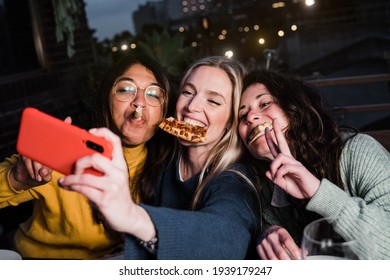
<point x="56" y="144"/>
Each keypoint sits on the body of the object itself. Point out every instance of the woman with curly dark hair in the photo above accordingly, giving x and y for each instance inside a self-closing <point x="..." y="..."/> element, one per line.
<point x="310" y="167"/>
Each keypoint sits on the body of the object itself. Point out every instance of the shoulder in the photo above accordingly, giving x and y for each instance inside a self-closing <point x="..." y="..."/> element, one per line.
<point x="359" y="139"/>
<point x="239" y="170"/>
<point x="364" y="162"/>
<point x="239" y="167"/>
<point x="236" y="177"/>
<point x="363" y="146"/>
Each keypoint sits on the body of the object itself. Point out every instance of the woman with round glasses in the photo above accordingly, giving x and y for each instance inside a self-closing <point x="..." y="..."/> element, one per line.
<point x="131" y="102"/>
<point x="206" y="206"/>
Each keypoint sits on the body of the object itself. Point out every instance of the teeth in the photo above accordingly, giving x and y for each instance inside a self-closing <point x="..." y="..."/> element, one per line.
<point x="193" y="122"/>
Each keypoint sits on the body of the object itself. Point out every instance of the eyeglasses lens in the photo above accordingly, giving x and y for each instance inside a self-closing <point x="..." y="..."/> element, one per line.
<point x="126" y="91"/>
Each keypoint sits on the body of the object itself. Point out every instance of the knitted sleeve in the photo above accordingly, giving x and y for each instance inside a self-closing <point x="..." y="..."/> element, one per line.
<point x="363" y="209"/>
<point x="8" y="195"/>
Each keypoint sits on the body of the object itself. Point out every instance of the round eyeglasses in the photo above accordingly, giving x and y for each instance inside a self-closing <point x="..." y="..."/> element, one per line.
<point x="126" y="91"/>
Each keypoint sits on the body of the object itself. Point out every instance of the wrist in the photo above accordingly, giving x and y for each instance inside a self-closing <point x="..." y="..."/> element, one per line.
<point x="315" y="183"/>
<point x="142" y="226"/>
<point x="13" y="184"/>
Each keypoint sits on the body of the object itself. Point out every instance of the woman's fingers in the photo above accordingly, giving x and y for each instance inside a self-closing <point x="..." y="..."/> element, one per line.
<point x="45" y="173"/>
<point x="279" y="248"/>
<point x="96" y="188"/>
<point x="68" y="120"/>
<point x="265" y="251"/>
<point x="35" y="170"/>
<point x="261" y="252"/>
<point x="117" y="152"/>
<point x="32" y="168"/>
<point x="277" y="245"/>
<point x="99" y="162"/>
<point x="280" y="146"/>
<point x="280" y="139"/>
<point x="293" y="177"/>
<point x="93" y="194"/>
<point x="28" y="165"/>
<point x="293" y="250"/>
<point x="274" y="149"/>
<point x="95" y="161"/>
<point x="278" y="162"/>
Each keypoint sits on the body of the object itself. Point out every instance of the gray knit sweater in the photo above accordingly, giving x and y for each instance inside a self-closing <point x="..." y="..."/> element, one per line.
<point x="362" y="210"/>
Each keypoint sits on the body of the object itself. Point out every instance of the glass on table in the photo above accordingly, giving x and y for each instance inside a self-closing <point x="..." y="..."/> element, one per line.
<point x="9" y="255"/>
<point x="321" y="242"/>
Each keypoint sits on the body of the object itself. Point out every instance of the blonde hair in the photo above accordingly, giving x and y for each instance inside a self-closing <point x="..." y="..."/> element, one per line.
<point x="229" y="148"/>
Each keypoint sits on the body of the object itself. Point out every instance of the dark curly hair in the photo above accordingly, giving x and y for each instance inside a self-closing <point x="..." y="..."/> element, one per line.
<point x="313" y="136"/>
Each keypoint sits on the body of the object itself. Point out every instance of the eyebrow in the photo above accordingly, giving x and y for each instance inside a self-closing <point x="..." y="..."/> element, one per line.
<point x="214" y="93"/>
<point x="210" y="92"/>
<point x="125" y="79"/>
<point x="131" y="80"/>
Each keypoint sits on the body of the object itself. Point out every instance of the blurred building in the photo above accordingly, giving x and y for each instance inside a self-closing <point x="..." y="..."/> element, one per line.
<point x="301" y="34"/>
<point x="151" y="13"/>
<point x="312" y="39"/>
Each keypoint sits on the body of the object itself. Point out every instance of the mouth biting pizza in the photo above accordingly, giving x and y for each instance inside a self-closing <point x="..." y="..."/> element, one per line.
<point x="184" y="130"/>
<point x="259" y="131"/>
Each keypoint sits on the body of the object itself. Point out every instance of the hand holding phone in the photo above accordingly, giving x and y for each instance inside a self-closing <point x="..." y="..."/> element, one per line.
<point x="56" y="144"/>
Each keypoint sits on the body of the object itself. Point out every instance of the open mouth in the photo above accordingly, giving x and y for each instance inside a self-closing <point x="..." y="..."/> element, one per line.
<point x="193" y="122"/>
<point x="259" y="131"/>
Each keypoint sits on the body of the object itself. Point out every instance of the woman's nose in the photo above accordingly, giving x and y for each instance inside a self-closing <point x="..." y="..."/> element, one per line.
<point x="139" y="99"/>
<point x="194" y="104"/>
<point x="252" y="116"/>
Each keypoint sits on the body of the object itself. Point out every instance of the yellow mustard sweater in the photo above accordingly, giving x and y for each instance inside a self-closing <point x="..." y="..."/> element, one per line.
<point x="62" y="225"/>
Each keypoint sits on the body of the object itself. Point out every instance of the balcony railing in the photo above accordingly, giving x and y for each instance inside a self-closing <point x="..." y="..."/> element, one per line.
<point x="356" y="80"/>
<point x="382" y="135"/>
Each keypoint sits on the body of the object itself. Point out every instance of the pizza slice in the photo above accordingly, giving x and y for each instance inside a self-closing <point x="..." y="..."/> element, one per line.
<point x="259" y="131"/>
<point x="186" y="131"/>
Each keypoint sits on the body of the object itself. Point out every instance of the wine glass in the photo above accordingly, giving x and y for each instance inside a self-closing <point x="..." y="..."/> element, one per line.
<point x="321" y="242"/>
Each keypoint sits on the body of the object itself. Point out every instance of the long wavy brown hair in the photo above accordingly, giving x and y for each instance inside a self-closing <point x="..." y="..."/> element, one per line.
<point x="313" y="136"/>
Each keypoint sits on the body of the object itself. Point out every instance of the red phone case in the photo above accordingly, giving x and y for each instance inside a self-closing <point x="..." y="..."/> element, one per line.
<point x="56" y="144"/>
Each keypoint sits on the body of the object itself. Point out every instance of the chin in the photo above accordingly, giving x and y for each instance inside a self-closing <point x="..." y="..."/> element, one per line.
<point x="260" y="153"/>
<point x="135" y="139"/>
<point x="185" y="142"/>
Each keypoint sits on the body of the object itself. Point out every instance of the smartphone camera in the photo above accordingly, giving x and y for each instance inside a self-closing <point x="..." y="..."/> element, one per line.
<point x="95" y="146"/>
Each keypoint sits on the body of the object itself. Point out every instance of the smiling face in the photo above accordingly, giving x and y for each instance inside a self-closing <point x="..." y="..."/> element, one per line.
<point x="137" y="129"/>
<point x="256" y="107"/>
<point x="206" y="100"/>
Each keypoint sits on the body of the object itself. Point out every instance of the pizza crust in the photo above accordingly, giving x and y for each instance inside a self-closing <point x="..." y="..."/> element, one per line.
<point x="191" y="133"/>
<point x="259" y="131"/>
